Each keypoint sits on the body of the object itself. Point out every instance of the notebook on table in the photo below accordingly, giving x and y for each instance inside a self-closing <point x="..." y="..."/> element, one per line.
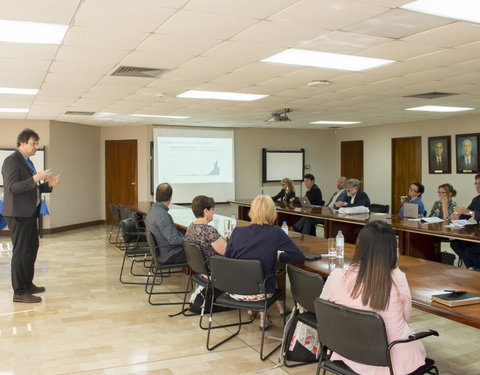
<point x="459" y="298"/>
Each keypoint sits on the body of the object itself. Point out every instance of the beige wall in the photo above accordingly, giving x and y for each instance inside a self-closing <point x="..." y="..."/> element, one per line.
<point x="377" y="156"/>
<point x="75" y="156"/>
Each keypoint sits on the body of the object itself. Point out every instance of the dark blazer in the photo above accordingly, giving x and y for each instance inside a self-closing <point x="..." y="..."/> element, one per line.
<point x="462" y="164"/>
<point x="314" y="195"/>
<point x="361" y="199"/>
<point x="20" y="190"/>
<point x="475" y="207"/>
<point x="442" y="166"/>
<point x="291" y="194"/>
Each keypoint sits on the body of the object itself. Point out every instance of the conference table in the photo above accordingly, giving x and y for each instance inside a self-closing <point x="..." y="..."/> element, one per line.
<point x="425" y="277"/>
<point x="415" y="238"/>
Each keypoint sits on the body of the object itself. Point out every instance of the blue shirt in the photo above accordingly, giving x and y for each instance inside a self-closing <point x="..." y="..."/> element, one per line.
<point x="421" y="207"/>
<point x="261" y="242"/>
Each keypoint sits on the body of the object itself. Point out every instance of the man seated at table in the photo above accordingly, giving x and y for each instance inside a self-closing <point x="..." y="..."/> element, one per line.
<point x="314" y="194"/>
<point x="355" y="196"/>
<point x="469" y="252"/>
<point x="339" y="194"/>
<point x="159" y="222"/>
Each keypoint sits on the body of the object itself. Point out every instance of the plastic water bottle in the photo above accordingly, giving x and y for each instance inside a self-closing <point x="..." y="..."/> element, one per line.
<point x="285" y="227"/>
<point x="340" y="242"/>
<point x="234" y="223"/>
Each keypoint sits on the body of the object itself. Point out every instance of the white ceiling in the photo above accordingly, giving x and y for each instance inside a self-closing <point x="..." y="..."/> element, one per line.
<point x="218" y="44"/>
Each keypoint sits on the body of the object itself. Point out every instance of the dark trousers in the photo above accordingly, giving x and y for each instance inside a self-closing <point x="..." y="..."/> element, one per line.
<point x="24" y="234"/>
<point x="306" y="225"/>
<point x="469" y="252"/>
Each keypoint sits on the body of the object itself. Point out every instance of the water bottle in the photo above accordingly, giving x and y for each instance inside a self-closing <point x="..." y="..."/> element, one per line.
<point x="285" y="227"/>
<point x="340" y="241"/>
<point x="234" y="223"/>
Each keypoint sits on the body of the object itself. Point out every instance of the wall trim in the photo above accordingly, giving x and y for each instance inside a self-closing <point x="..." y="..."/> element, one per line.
<point x="62" y="229"/>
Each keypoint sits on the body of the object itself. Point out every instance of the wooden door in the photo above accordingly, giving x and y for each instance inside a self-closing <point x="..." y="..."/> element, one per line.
<point x="120" y="174"/>
<point x="406" y="167"/>
<point x="351" y="163"/>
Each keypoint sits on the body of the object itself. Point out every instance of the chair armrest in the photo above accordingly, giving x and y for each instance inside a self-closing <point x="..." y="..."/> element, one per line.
<point x="414" y="337"/>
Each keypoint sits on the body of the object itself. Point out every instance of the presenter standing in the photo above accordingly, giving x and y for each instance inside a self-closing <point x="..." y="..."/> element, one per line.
<point x="21" y="207"/>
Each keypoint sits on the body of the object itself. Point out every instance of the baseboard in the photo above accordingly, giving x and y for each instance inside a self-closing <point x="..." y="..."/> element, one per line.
<point x="62" y="229"/>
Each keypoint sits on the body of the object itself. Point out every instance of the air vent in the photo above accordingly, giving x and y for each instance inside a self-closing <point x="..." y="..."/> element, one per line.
<point x="79" y="113"/>
<point x="430" y="95"/>
<point x="135" y="71"/>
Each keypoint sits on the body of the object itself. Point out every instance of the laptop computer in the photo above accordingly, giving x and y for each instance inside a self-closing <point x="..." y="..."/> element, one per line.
<point x="410" y="210"/>
<point x="305" y="202"/>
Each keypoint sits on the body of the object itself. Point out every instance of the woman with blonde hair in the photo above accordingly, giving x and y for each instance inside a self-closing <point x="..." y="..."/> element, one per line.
<point x="445" y="207"/>
<point x="287" y="192"/>
<point x="266" y="242"/>
<point x="373" y="282"/>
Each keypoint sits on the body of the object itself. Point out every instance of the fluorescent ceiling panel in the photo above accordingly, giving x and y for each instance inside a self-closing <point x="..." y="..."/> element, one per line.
<point x="31" y="32"/>
<point x="467" y="10"/>
<point x="326" y="60"/>
<point x="174" y="117"/>
<point x="336" y="122"/>
<point x="439" y="108"/>
<point x="198" y="94"/>
<point x="9" y="90"/>
<point x="14" y="110"/>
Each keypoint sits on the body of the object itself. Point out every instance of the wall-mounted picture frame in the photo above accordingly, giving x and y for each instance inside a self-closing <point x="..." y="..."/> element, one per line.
<point x="467" y="152"/>
<point x="439" y="155"/>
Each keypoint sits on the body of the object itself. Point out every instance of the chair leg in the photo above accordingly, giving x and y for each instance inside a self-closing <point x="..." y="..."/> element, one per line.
<point x="262" y="357"/>
<point x="125" y="256"/>
<point x="239" y="324"/>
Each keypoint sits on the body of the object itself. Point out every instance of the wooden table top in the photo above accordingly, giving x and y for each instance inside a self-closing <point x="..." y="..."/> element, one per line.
<point x="425" y="278"/>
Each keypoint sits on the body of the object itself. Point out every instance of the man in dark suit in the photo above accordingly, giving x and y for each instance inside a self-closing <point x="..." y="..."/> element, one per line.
<point x="438" y="161"/>
<point x="355" y="197"/>
<point x="314" y="194"/>
<point x="468" y="161"/>
<point x="21" y="207"/>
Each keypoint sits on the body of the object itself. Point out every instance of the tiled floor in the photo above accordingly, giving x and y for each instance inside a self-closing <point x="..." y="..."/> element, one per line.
<point x="89" y="323"/>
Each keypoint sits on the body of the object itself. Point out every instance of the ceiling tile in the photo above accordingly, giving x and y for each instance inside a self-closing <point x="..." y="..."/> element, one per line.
<point x="100" y="37"/>
<point x="47" y="11"/>
<point x="451" y="35"/>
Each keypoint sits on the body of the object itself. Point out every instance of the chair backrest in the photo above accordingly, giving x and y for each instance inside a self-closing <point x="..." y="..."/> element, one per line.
<point x="125" y="212"/>
<point x="129" y="230"/>
<point x="195" y="258"/>
<point x="151" y="244"/>
<point x="115" y="211"/>
<point x="380" y="208"/>
<point x="305" y="286"/>
<point x="237" y="276"/>
<point x="357" y="335"/>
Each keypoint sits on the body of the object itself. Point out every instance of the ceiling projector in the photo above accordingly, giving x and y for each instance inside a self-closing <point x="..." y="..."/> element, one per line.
<point x="279" y="116"/>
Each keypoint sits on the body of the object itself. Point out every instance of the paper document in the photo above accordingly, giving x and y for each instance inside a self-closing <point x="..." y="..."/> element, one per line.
<point x="431" y="220"/>
<point x="461" y="223"/>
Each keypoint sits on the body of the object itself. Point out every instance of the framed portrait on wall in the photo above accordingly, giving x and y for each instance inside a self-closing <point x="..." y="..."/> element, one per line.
<point x="467" y="152"/>
<point x="439" y="154"/>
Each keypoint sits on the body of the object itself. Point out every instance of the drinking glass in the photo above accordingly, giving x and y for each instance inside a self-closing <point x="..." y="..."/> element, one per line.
<point x="332" y="251"/>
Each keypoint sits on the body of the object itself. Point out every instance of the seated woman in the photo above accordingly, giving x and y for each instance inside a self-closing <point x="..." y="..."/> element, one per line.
<point x="415" y="192"/>
<point x="373" y="282"/>
<point x="445" y="207"/>
<point x="202" y="234"/>
<point x="265" y="242"/>
<point x="287" y="192"/>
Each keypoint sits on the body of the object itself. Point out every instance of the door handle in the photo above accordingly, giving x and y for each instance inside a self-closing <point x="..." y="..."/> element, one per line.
<point x="133" y="183"/>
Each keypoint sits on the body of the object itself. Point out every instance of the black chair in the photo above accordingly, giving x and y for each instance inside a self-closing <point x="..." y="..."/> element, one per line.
<point x="380" y="208"/>
<point x="306" y="287"/>
<point x="359" y="336"/>
<point x="134" y="248"/>
<point x="115" y="211"/>
<point x="239" y="276"/>
<point x="160" y="270"/>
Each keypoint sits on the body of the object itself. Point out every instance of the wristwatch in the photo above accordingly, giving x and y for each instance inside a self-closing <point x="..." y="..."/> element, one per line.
<point x="471" y="213"/>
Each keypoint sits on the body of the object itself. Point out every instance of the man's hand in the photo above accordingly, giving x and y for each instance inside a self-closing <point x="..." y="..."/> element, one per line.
<point x="340" y="204"/>
<point x="42" y="175"/>
<point x="462" y="210"/>
<point x="53" y="181"/>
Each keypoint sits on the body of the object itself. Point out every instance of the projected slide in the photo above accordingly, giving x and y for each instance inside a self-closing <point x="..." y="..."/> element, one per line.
<point x="183" y="160"/>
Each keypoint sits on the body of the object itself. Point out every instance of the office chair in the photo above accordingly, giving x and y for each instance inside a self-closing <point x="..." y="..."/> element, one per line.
<point x="115" y="211"/>
<point x="305" y="287"/>
<point x="245" y="277"/>
<point x="360" y="336"/>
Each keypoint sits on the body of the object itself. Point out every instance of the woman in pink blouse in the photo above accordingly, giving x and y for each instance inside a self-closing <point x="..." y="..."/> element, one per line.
<point x="373" y="282"/>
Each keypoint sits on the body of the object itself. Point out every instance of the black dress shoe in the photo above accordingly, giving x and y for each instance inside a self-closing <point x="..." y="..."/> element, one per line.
<point x="36" y="289"/>
<point x="26" y="298"/>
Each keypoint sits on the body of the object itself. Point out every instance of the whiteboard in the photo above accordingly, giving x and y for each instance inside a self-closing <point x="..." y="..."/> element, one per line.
<point x="283" y="164"/>
<point x="38" y="159"/>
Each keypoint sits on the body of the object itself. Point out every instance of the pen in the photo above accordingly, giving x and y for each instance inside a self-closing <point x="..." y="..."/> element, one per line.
<point x="454" y="291"/>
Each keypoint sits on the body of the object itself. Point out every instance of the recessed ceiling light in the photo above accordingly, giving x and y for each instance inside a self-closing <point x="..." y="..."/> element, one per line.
<point x="9" y="90"/>
<point x="467" y="10"/>
<point x="438" y="108"/>
<point x="336" y="122"/>
<point x="140" y="115"/>
<point x="14" y="110"/>
<point x="327" y="60"/>
<point x="31" y="32"/>
<point x="198" y="94"/>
